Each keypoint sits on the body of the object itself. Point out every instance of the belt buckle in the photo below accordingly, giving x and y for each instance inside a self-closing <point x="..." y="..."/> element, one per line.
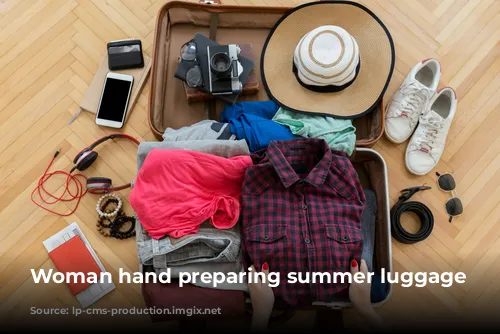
<point x="409" y="192"/>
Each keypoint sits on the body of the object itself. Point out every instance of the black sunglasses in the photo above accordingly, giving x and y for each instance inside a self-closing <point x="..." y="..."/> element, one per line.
<point x="454" y="207"/>
<point x="189" y="53"/>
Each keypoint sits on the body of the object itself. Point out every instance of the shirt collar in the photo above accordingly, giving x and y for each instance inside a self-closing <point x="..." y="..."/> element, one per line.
<point x="278" y="151"/>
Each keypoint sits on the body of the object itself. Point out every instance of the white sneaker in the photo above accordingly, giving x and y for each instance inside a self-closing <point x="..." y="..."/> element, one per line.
<point x="427" y="144"/>
<point x="411" y="100"/>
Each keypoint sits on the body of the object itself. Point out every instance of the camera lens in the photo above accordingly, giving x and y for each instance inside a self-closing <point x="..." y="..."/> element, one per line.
<point x="220" y="64"/>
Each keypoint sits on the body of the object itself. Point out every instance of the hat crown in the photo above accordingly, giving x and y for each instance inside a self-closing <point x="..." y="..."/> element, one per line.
<point x="327" y="45"/>
<point x="327" y="55"/>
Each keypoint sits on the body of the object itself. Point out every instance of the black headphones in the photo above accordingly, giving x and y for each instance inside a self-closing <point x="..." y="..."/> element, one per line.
<point x="87" y="156"/>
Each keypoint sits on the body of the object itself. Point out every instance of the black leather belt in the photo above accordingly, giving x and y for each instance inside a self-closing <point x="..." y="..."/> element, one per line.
<point x="420" y="209"/>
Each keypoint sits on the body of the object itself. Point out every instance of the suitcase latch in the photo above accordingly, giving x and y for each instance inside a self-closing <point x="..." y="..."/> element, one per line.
<point x="210" y="2"/>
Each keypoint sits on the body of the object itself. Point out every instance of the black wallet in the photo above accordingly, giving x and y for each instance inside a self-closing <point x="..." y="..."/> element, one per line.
<point x="125" y="54"/>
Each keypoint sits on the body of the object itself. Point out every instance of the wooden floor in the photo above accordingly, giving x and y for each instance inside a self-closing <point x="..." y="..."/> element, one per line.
<point x="49" y="51"/>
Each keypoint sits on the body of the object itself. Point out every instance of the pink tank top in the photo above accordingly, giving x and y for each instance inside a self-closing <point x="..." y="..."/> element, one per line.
<point x="177" y="190"/>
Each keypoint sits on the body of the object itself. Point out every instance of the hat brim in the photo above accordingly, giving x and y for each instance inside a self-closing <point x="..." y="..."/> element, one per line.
<point x="376" y="50"/>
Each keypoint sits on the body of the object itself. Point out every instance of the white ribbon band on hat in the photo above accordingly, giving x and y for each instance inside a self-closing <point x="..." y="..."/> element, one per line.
<point x="327" y="55"/>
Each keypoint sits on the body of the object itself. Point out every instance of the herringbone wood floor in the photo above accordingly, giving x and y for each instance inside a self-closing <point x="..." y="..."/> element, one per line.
<point x="49" y="51"/>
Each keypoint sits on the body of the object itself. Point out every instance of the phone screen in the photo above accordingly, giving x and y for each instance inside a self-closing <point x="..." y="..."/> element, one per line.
<point x="114" y="100"/>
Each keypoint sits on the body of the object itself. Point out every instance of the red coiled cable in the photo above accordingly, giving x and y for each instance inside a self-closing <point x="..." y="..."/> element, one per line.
<point x="72" y="180"/>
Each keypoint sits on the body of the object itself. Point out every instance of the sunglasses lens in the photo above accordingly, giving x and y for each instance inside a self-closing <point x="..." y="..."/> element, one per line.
<point x="193" y="77"/>
<point x="446" y="182"/>
<point x="454" y="206"/>
<point x="188" y="51"/>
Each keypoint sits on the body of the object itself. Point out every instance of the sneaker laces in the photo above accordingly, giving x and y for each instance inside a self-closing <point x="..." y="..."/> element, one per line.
<point x="432" y="126"/>
<point x="414" y="96"/>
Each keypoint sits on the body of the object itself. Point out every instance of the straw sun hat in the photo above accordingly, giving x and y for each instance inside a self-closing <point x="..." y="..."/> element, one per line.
<point x="333" y="58"/>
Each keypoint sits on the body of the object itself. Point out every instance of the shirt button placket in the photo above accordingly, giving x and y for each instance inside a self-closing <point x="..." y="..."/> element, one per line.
<point x="306" y="239"/>
<point x="306" y="225"/>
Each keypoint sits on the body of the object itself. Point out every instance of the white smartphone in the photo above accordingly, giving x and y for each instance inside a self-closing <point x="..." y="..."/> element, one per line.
<point x="114" y="100"/>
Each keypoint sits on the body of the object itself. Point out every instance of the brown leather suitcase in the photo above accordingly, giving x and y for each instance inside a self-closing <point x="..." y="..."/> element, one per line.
<point x="177" y="22"/>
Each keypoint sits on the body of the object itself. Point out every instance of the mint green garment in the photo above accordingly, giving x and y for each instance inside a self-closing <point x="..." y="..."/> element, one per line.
<point x="340" y="134"/>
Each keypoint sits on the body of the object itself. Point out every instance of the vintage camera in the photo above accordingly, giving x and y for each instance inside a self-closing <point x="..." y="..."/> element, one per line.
<point x="224" y="69"/>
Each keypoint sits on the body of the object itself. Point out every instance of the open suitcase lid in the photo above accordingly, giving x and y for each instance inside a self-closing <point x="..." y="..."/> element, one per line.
<point x="177" y="22"/>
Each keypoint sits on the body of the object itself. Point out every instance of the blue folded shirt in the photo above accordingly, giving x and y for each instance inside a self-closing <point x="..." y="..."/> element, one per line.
<point x="253" y="122"/>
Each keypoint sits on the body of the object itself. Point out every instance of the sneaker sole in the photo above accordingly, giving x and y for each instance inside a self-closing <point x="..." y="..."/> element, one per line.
<point x="394" y="141"/>
<point x="415" y="173"/>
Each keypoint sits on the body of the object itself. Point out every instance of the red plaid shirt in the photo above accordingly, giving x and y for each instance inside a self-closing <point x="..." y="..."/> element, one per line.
<point x="301" y="212"/>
